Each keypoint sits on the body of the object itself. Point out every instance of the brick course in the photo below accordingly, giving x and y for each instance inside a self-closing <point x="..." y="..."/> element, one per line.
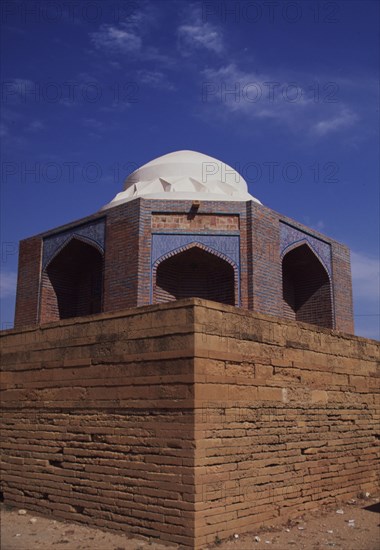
<point x="194" y="221"/>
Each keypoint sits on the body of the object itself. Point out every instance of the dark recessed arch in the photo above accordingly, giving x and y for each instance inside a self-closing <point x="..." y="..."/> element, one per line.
<point x="195" y="272"/>
<point x="72" y="282"/>
<point x="306" y="288"/>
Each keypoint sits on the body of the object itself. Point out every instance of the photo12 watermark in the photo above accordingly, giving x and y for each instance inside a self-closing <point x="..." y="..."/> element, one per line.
<point x="93" y="172"/>
<point x="270" y="11"/>
<point x="68" y="93"/>
<point x="269" y="92"/>
<point x="271" y="171"/>
<point x="50" y="12"/>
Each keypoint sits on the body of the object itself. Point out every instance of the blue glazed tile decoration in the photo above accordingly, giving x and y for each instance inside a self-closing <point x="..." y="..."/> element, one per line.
<point x="92" y="232"/>
<point x="227" y="246"/>
<point x="162" y="244"/>
<point x="291" y="236"/>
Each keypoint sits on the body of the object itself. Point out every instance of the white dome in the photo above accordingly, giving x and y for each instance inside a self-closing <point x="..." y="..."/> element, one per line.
<point x="184" y="175"/>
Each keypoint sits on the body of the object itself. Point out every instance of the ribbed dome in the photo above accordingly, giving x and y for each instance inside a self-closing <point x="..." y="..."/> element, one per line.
<point x="184" y="175"/>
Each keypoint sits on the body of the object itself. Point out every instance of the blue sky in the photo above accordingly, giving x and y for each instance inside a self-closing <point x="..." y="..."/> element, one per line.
<point x="285" y="92"/>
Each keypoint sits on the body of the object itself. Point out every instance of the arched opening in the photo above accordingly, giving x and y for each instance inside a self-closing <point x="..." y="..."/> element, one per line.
<point x="306" y="288"/>
<point x="72" y="282"/>
<point x="195" y="273"/>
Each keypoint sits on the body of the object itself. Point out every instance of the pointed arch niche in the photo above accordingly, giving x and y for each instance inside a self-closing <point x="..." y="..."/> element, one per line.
<point x="72" y="281"/>
<point x="195" y="271"/>
<point x="306" y="287"/>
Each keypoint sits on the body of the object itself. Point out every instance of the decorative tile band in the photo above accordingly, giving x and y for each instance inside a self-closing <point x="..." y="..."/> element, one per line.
<point x="229" y="246"/>
<point x="291" y="236"/>
<point x="92" y="232"/>
<point x="222" y="245"/>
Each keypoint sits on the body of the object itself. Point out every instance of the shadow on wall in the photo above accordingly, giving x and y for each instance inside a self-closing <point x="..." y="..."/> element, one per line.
<point x="306" y="288"/>
<point x="195" y="273"/>
<point x="72" y="282"/>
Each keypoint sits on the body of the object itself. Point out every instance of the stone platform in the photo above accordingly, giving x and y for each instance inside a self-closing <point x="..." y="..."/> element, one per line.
<point x="186" y="421"/>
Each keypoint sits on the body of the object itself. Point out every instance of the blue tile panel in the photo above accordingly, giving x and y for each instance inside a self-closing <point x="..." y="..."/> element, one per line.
<point x="290" y="236"/>
<point x="92" y="232"/>
<point x="228" y="245"/>
<point x="162" y="244"/>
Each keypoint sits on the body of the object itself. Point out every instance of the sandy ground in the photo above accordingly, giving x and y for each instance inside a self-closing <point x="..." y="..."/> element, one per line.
<point x="357" y="528"/>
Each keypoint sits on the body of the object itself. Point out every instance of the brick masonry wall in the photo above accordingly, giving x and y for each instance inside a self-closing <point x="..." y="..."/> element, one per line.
<point x="186" y="420"/>
<point x="28" y="282"/>
<point x="265" y="277"/>
<point x="228" y="216"/>
<point x="194" y="221"/>
<point x="121" y="260"/>
<point x="127" y="272"/>
<point x="286" y="415"/>
<point x="342" y="288"/>
<point x="97" y="422"/>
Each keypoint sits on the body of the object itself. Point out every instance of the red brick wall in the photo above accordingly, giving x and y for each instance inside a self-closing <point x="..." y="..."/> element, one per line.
<point x="121" y="260"/>
<point x="127" y="273"/>
<point x="193" y="221"/>
<point x="28" y="282"/>
<point x="266" y="277"/>
<point x="342" y="288"/>
<point x="177" y="216"/>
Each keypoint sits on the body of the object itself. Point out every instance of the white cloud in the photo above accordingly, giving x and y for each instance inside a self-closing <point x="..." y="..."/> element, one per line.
<point x="258" y="95"/>
<point x="155" y="79"/>
<point x="366" y="278"/>
<point x="116" y="39"/>
<point x="8" y="282"/>
<point x="344" y="119"/>
<point x="130" y="36"/>
<point x="271" y="98"/>
<point x="199" y="36"/>
<point x="196" y="34"/>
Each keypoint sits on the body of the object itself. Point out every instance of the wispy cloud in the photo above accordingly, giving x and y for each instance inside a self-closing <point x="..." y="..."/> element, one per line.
<point x="155" y="79"/>
<point x="196" y="34"/>
<point x="8" y="282"/>
<point x="116" y="39"/>
<point x="271" y="98"/>
<point x="130" y="37"/>
<point x="342" y="120"/>
<point x="125" y="36"/>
